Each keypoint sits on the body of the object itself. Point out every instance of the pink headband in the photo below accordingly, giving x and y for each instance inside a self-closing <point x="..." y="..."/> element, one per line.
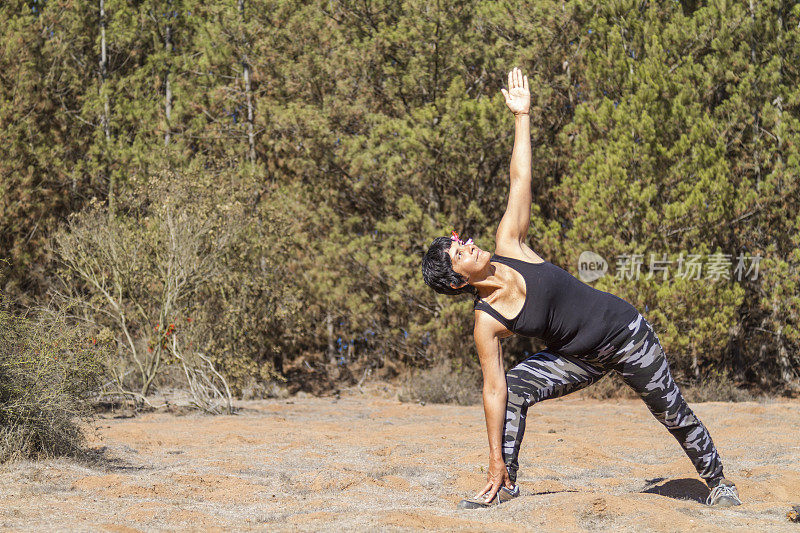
<point x="454" y="237"/>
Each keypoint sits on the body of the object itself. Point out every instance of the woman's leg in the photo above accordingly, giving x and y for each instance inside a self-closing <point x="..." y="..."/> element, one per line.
<point x="643" y="366"/>
<point x="540" y="377"/>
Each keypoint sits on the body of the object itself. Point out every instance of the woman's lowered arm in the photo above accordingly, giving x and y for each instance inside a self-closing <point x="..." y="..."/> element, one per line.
<point x="487" y="341"/>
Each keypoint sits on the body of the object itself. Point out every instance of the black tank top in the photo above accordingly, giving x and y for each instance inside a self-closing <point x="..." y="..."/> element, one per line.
<point x="569" y="315"/>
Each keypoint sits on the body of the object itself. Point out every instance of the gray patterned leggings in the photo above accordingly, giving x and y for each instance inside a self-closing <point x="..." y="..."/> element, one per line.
<point x="642" y="365"/>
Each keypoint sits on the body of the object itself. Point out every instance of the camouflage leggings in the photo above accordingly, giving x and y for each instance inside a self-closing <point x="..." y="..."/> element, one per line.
<point x="642" y="365"/>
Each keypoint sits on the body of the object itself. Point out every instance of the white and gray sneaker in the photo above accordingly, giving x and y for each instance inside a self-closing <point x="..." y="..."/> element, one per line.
<point x="724" y="495"/>
<point x="503" y="495"/>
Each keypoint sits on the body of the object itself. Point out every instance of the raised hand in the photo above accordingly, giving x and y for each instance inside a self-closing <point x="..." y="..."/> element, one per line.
<point x="518" y="96"/>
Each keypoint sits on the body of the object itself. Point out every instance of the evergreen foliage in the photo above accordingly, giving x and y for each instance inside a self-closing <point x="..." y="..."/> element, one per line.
<point x="350" y="134"/>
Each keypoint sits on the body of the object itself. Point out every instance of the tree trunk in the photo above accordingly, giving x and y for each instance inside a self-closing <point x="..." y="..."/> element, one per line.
<point x="785" y="364"/>
<point x="104" y="120"/>
<point x="167" y="87"/>
<point x="756" y="114"/>
<point x="331" y="347"/>
<point x="251" y="142"/>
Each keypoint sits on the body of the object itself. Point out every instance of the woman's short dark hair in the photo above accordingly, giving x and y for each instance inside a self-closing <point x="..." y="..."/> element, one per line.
<point x="437" y="269"/>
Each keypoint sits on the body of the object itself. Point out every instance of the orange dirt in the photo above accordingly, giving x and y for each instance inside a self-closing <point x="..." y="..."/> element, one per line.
<point x="366" y="462"/>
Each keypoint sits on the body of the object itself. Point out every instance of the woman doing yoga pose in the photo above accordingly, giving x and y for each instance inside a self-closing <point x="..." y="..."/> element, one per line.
<point x="588" y="333"/>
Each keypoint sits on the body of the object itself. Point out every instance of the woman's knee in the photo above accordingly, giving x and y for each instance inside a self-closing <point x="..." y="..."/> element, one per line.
<point x="521" y="387"/>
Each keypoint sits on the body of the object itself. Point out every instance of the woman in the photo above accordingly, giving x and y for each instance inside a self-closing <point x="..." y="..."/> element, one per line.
<point x="588" y="333"/>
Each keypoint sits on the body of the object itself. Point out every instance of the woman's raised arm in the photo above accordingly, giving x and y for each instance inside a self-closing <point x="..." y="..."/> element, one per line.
<point x="513" y="228"/>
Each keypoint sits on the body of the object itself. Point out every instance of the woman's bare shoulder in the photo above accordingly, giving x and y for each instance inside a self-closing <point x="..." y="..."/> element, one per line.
<point x="518" y="250"/>
<point x="486" y="327"/>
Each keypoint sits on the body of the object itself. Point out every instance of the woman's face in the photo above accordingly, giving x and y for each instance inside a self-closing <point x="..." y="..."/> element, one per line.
<point x="468" y="260"/>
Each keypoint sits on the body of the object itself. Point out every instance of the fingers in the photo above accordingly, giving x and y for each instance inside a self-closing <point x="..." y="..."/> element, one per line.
<point x="486" y="489"/>
<point x="505" y="94"/>
<point x="492" y="493"/>
<point x="516" y="79"/>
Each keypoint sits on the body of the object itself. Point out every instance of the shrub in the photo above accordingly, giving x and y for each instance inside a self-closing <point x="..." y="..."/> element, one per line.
<point x="609" y="386"/>
<point x="717" y="386"/>
<point x="191" y="275"/>
<point x="444" y="382"/>
<point x="134" y="280"/>
<point x="48" y="369"/>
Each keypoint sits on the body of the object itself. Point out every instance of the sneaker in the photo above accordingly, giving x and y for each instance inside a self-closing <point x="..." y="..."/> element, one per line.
<point x="724" y="495"/>
<point x="503" y="495"/>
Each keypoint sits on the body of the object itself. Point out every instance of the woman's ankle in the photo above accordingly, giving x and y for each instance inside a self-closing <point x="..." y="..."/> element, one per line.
<point x="712" y="483"/>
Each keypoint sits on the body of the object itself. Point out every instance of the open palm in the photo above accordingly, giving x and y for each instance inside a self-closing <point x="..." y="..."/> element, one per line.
<point x="518" y="96"/>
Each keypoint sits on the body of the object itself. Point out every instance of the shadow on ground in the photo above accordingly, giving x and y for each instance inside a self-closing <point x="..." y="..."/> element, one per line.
<point x="678" y="489"/>
<point x="104" y="459"/>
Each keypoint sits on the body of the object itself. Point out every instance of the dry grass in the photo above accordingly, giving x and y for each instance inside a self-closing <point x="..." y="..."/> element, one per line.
<point x="443" y="383"/>
<point x="609" y="386"/>
<point x="717" y="387"/>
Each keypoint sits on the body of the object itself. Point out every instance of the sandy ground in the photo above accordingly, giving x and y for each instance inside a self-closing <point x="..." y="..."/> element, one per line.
<point x="366" y="461"/>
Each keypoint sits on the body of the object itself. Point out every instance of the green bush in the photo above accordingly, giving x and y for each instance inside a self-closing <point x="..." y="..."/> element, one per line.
<point x="48" y="370"/>
<point x="660" y="130"/>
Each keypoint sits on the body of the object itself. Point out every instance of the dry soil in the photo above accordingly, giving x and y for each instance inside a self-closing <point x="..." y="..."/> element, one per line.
<point x="366" y="462"/>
